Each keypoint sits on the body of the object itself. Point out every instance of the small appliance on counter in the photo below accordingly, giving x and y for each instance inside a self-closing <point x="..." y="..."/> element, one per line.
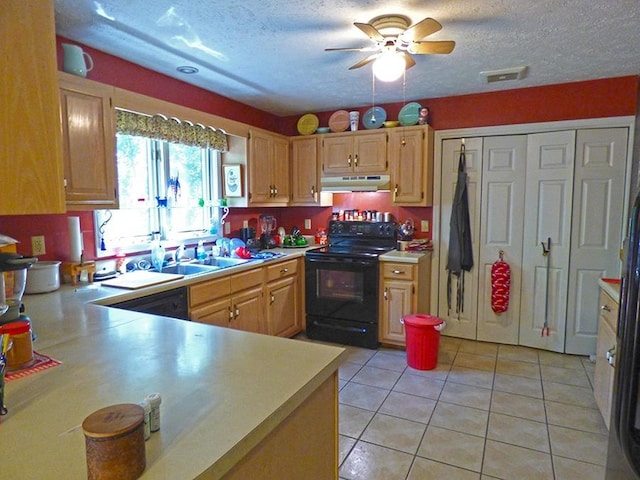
<point x="13" y="267"/>
<point x="268" y="225"/>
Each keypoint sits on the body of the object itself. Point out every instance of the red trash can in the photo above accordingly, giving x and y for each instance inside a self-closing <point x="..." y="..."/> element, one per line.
<point x="423" y="338"/>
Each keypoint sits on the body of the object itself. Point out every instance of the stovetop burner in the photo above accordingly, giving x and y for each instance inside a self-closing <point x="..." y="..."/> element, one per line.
<point x="349" y="239"/>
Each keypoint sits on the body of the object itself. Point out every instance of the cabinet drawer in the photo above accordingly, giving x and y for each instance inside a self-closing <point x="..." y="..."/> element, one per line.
<point x="244" y="280"/>
<point x="609" y="310"/>
<point x="404" y="271"/>
<point x="282" y="269"/>
<point x="210" y="290"/>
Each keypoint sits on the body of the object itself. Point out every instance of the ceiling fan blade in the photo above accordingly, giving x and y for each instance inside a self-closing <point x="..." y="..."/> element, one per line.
<point x="370" y="31"/>
<point x="420" y="30"/>
<point x="362" y="63"/>
<point x="348" y="49"/>
<point x="409" y="61"/>
<point x="441" y="47"/>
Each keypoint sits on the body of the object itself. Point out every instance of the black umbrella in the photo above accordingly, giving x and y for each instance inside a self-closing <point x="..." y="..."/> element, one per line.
<point x="460" y="248"/>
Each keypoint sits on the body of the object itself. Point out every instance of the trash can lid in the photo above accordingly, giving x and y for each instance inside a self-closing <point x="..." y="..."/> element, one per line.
<point x="421" y="320"/>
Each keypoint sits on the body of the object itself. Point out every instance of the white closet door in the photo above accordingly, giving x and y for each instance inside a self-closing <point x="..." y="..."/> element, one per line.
<point x="549" y="186"/>
<point x="460" y="324"/>
<point x="503" y="184"/>
<point x="598" y="192"/>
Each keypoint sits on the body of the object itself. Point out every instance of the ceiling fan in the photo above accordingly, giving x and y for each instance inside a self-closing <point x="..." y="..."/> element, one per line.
<point x="393" y="36"/>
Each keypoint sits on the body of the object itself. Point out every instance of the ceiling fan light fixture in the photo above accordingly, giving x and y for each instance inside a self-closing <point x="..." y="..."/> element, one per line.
<point x="389" y="66"/>
<point x="187" y="69"/>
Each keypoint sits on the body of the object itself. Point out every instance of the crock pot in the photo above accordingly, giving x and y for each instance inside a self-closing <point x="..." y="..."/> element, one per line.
<point x="43" y="277"/>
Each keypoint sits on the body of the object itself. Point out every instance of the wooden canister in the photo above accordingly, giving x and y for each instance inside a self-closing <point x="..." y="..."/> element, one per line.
<point x="114" y="439"/>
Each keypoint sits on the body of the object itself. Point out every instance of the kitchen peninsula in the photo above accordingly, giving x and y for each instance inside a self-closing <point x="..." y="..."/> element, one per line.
<point x="234" y="404"/>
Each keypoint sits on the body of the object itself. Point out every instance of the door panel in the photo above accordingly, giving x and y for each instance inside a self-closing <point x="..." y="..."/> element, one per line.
<point x="503" y="184"/>
<point x="601" y="157"/>
<point x="464" y="323"/>
<point x="549" y="188"/>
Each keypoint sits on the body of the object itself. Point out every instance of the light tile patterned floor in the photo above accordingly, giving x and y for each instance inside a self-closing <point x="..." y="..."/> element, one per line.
<point x="486" y="412"/>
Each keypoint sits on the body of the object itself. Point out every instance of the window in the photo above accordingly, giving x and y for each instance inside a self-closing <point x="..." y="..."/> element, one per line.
<point x="164" y="187"/>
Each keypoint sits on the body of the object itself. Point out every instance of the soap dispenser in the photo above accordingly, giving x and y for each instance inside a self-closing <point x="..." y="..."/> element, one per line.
<point x="157" y="253"/>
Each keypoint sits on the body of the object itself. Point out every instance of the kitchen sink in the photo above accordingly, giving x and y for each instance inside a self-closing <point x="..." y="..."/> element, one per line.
<point x="189" y="269"/>
<point x="223" y="262"/>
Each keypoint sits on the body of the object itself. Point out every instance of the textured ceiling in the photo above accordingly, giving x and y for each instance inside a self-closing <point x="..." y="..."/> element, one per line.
<point x="270" y="53"/>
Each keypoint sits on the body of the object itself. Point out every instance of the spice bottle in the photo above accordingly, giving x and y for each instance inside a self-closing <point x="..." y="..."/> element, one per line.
<point x="154" y="402"/>
<point x="147" y="418"/>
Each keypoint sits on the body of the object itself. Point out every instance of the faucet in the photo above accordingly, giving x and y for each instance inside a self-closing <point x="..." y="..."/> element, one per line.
<point x="178" y="253"/>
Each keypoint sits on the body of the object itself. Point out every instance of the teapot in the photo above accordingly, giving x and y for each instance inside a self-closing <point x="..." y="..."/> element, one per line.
<point x="74" y="60"/>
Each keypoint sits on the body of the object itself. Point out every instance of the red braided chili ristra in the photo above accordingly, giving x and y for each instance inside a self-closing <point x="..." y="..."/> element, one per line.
<point x="500" y="284"/>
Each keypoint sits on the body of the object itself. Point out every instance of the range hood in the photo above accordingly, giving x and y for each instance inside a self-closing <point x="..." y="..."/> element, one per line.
<point x="355" y="183"/>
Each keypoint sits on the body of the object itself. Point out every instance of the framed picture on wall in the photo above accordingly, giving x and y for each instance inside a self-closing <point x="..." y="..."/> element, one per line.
<point x="232" y="181"/>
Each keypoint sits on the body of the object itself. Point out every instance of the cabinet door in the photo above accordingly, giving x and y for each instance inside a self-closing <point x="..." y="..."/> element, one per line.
<point x="370" y="153"/>
<point x="283" y="310"/>
<point x="407" y="169"/>
<point x="337" y="154"/>
<point x="304" y="171"/>
<point x="397" y="301"/>
<point x="604" y="372"/>
<point x="260" y="155"/>
<point x="280" y="170"/>
<point x="88" y="144"/>
<point x="30" y="142"/>
<point x="248" y="311"/>
<point x="215" y="313"/>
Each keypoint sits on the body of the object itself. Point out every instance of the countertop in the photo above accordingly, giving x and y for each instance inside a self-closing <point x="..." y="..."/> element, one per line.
<point x="611" y="286"/>
<point x="405" y="257"/>
<point x="222" y="390"/>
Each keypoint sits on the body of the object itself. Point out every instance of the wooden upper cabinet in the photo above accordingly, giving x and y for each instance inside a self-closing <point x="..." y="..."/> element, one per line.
<point x="305" y="188"/>
<point x="30" y="141"/>
<point x="354" y="153"/>
<point x="268" y="168"/>
<point x="411" y="164"/>
<point x="88" y="133"/>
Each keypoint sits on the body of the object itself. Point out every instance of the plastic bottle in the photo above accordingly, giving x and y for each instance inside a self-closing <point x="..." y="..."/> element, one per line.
<point x="154" y="402"/>
<point x="157" y="253"/>
<point x="147" y="418"/>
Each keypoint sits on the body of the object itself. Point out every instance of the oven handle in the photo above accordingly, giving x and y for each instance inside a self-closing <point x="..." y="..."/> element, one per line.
<point x="339" y="327"/>
<point x="341" y="261"/>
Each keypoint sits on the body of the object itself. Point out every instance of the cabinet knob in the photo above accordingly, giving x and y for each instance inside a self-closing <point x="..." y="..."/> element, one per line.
<point x="284" y="270"/>
<point x="272" y="299"/>
<point x="605" y="308"/>
<point x="386" y="295"/>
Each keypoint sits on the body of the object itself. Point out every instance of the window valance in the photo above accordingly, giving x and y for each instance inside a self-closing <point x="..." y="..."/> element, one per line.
<point x="172" y="130"/>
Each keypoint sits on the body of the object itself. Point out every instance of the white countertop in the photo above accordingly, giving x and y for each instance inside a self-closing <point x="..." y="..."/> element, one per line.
<point x="611" y="286"/>
<point x="405" y="257"/>
<point x="222" y="390"/>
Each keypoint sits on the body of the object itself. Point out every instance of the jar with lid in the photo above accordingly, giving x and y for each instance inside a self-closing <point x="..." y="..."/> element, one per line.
<point x="20" y="353"/>
<point x="321" y="236"/>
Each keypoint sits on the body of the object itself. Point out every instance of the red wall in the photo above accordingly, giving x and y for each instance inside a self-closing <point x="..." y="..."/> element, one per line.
<point x="590" y="99"/>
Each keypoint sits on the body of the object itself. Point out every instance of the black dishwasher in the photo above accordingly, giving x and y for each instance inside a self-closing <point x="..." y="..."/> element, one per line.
<point x="172" y="303"/>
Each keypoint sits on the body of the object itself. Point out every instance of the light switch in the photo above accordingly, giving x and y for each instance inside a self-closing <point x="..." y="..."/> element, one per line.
<point x="245" y="224"/>
<point x="424" y="225"/>
<point x="227" y="228"/>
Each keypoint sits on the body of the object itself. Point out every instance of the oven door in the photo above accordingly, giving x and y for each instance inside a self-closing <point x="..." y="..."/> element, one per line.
<point x="342" y="300"/>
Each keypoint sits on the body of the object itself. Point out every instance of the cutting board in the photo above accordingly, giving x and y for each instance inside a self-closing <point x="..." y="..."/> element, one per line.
<point x="141" y="279"/>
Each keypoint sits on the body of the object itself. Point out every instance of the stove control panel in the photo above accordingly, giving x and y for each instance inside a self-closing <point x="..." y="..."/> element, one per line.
<point x="362" y="229"/>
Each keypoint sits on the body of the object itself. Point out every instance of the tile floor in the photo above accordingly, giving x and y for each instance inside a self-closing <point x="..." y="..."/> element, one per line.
<point x="486" y="412"/>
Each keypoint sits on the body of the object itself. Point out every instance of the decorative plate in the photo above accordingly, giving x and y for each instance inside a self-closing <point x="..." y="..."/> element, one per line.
<point x="374" y="117"/>
<point x="409" y="114"/>
<point x="339" y="121"/>
<point x="307" y="124"/>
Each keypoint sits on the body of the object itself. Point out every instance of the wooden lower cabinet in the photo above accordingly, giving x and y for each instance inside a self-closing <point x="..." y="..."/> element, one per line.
<point x="604" y="371"/>
<point x="235" y="301"/>
<point x="404" y="289"/>
<point x="266" y="299"/>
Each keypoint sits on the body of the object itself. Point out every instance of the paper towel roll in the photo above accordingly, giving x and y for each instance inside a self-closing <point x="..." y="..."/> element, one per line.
<point x="75" y="239"/>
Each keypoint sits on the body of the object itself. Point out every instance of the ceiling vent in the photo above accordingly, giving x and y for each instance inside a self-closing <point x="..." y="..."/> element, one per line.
<point x="515" y="73"/>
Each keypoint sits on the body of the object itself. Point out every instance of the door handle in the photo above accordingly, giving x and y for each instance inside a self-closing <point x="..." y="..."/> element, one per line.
<point x="386" y="293"/>
<point x="349" y="161"/>
<point x="355" y="160"/>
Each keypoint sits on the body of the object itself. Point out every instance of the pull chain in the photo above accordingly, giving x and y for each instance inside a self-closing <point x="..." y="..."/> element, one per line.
<point x="403" y="142"/>
<point x="373" y="100"/>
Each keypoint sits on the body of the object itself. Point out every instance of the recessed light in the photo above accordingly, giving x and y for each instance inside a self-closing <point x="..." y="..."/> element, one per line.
<point x="187" y="69"/>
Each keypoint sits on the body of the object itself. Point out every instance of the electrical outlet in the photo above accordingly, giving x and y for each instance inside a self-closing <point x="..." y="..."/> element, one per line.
<point x="245" y="224"/>
<point x="307" y="224"/>
<point x="227" y="228"/>
<point x="424" y="225"/>
<point x="37" y="245"/>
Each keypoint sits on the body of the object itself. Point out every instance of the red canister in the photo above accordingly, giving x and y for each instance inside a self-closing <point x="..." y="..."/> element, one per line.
<point x="20" y="354"/>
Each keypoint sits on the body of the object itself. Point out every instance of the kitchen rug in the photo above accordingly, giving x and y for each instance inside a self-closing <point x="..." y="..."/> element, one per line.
<point x="41" y="362"/>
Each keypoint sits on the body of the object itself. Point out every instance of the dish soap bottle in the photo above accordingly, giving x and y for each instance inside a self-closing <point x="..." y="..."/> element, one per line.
<point x="157" y="253"/>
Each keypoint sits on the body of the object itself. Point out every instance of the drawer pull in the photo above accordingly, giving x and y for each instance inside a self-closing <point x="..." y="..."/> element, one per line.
<point x="284" y="270"/>
<point x="398" y="272"/>
<point x="386" y="294"/>
<point x="610" y="355"/>
<point x="605" y="308"/>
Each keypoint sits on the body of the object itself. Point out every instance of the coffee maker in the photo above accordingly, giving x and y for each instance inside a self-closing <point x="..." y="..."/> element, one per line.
<point x="267" y="227"/>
